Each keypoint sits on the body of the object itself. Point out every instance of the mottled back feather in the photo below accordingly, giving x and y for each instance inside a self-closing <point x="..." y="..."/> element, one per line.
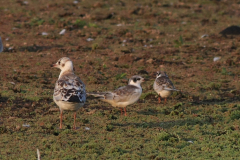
<point x="165" y="82"/>
<point x="70" y="88"/>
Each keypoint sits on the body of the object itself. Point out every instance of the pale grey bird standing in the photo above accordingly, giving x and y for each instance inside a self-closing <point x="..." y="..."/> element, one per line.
<point x="69" y="92"/>
<point x="123" y="96"/>
<point x="1" y="45"/>
<point x="163" y="86"/>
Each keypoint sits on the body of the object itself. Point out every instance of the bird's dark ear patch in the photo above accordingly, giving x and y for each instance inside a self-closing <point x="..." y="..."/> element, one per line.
<point x="63" y="65"/>
<point x="134" y="80"/>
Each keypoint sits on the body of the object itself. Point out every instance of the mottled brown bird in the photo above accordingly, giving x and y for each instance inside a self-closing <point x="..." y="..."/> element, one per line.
<point x="163" y="86"/>
<point x="69" y="92"/>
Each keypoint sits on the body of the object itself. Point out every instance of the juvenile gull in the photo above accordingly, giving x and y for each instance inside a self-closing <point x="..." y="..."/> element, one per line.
<point x="69" y="92"/>
<point x="123" y="96"/>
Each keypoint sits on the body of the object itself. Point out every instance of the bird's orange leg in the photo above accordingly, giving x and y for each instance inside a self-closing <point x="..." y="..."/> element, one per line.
<point x="74" y="124"/>
<point x="165" y="101"/>
<point x="125" y="111"/>
<point x="159" y="99"/>
<point x="61" y="114"/>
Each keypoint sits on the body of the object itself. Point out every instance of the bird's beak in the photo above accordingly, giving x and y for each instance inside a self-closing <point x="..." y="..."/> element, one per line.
<point x="145" y="79"/>
<point x="54" y="65"/>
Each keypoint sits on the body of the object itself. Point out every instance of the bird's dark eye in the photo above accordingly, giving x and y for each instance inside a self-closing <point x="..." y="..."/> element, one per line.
<point x="134" y="80"/>
<point x="59" y="62"/>
<point x="138" y="79"/>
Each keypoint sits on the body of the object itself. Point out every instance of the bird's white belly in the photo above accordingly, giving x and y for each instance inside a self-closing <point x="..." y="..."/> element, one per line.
<point x="126" y="103"/>
<point x="117" y="104"/>
<point x="165" y="93"/>
<point x="68" y="105"/>
<point x="123" y="104"/>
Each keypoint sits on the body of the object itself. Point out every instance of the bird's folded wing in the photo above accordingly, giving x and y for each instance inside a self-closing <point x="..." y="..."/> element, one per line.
<point x="170" y="89"/>
<point x="165" y="83"/>
<point x="125" y="93"/>
<point x="70" y="88"/>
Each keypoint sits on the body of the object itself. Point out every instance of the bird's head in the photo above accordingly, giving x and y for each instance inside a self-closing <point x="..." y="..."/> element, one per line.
<point x="161" y="74"/>
<point x="65" y="64"/>
<point x="136" y="80"/>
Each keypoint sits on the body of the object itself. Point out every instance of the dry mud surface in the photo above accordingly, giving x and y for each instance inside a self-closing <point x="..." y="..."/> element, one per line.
<point x="108" y="42"/>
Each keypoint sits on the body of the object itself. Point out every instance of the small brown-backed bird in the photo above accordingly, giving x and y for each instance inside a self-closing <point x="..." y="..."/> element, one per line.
<point x="163" y="86"/>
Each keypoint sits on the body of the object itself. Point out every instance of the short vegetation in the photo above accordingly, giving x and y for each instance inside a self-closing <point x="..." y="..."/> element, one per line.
<point x="109" y="41"/>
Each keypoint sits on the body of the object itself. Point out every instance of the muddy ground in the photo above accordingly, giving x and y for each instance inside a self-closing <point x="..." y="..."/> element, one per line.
<point x="108" y="42"/>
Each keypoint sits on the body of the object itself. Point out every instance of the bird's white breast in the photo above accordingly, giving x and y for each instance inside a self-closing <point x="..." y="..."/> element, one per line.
<point x="165" y="93"/>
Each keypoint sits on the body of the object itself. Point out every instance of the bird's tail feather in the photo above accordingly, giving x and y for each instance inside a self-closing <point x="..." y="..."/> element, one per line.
<point x="170" y="89"/>
<point x="99" y="95"/>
